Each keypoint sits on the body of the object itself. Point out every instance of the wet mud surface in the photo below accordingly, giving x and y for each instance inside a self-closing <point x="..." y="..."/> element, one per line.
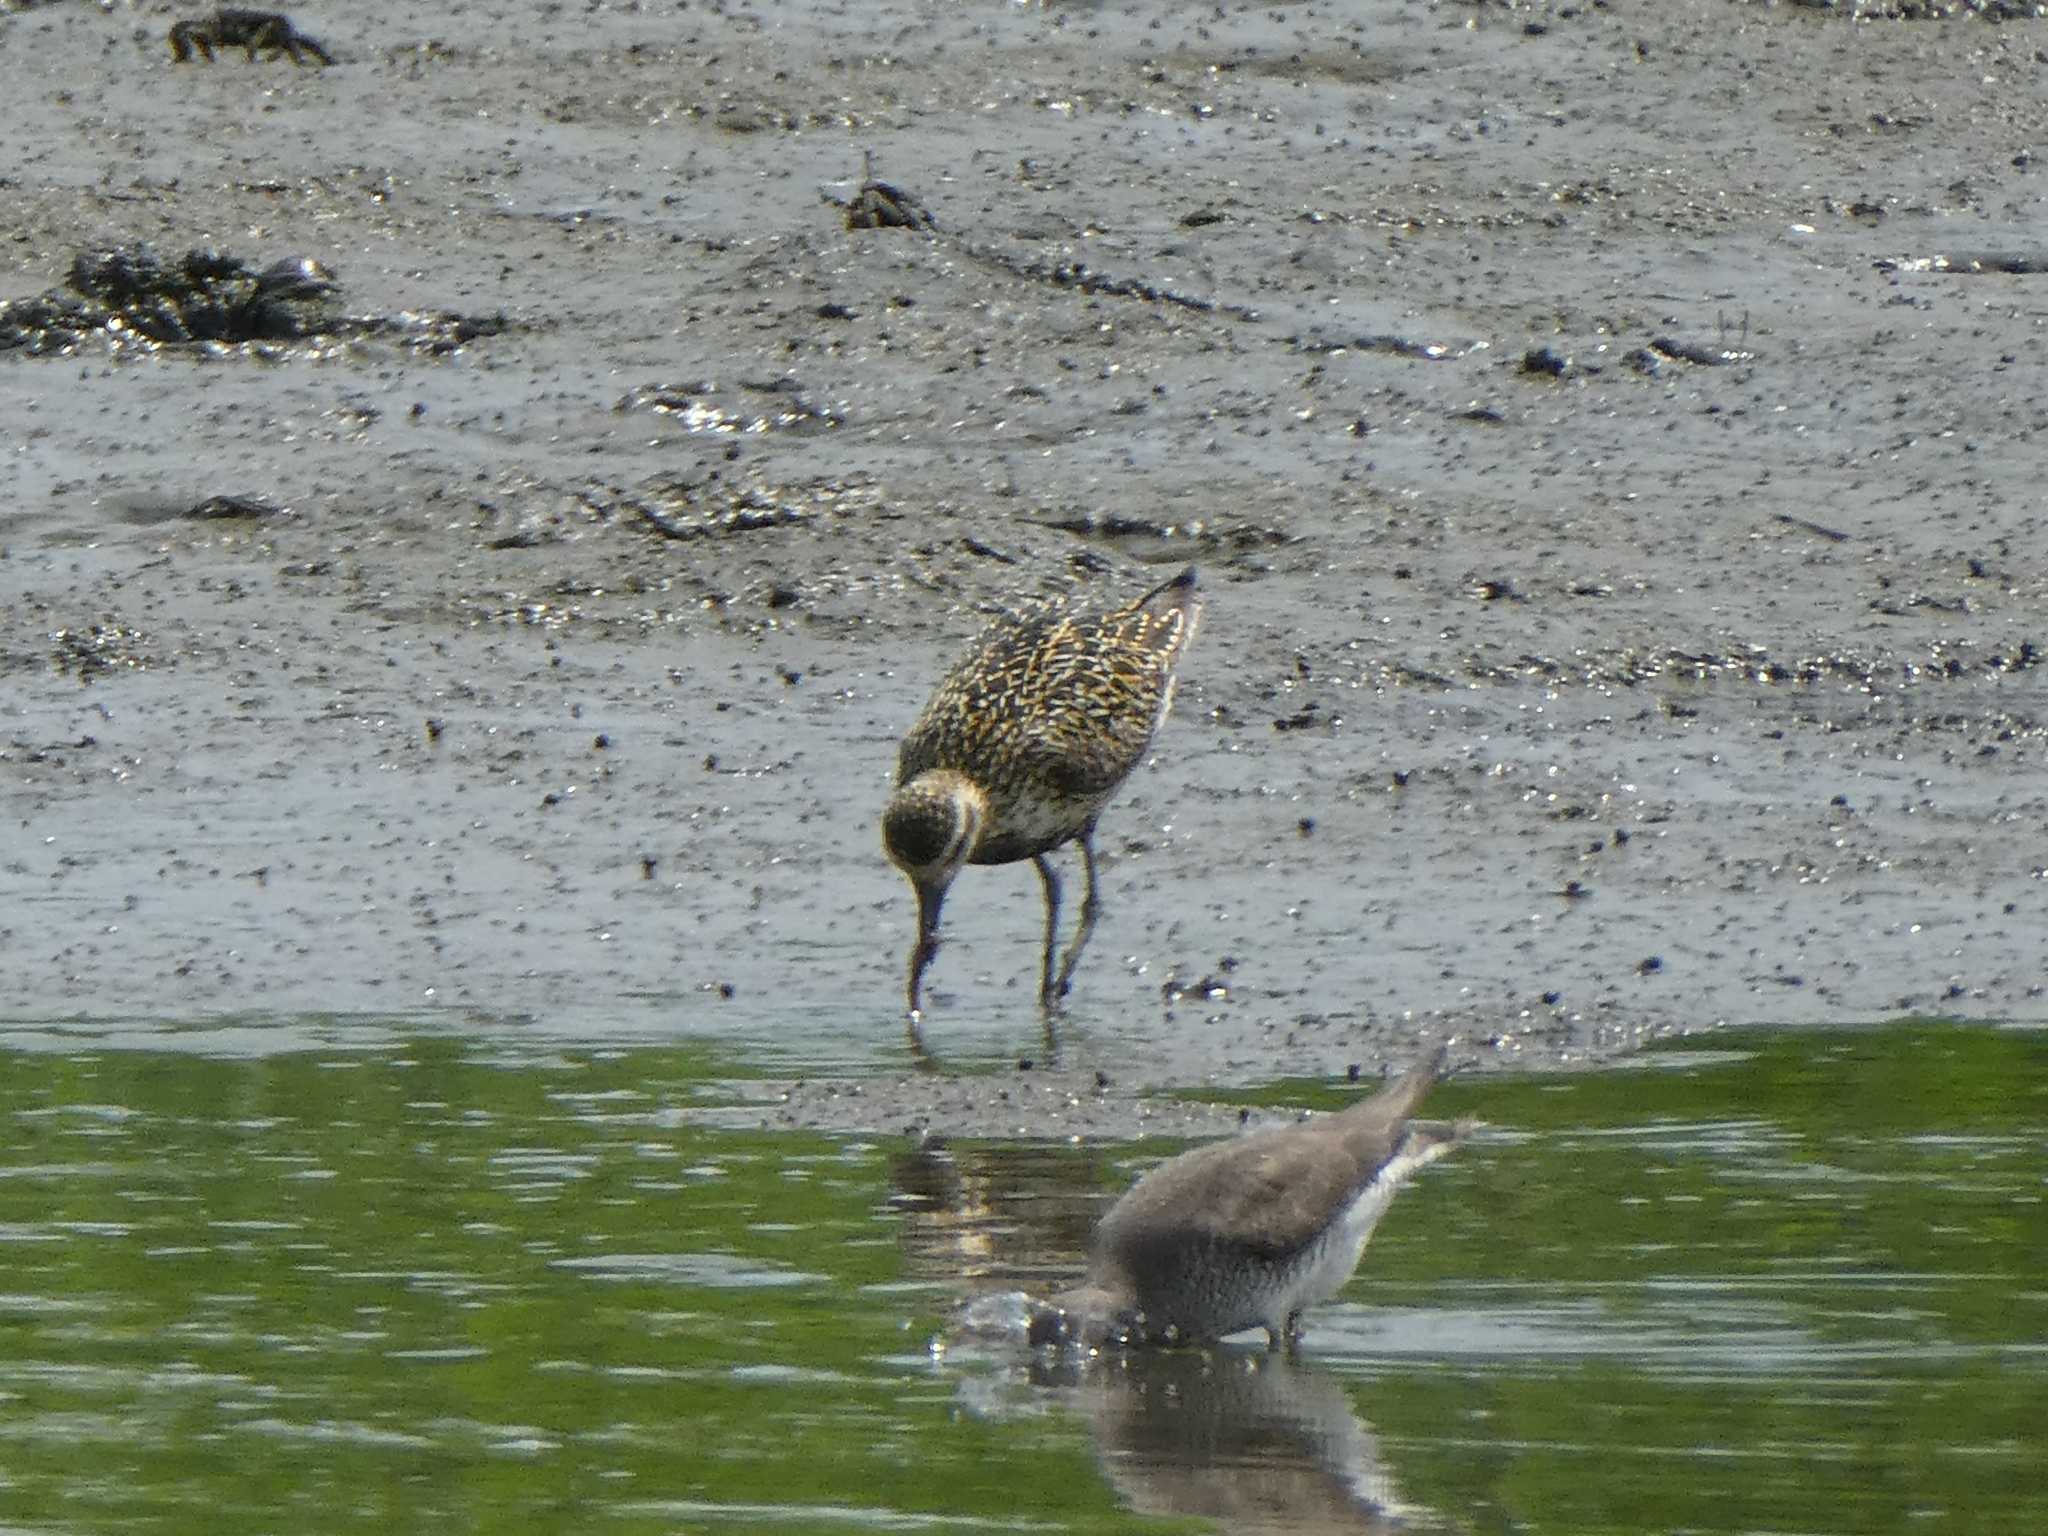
<point x="1610" y="439"/>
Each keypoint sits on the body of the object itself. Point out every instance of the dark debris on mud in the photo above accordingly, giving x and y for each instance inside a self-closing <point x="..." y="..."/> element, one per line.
<point x="91" y="651"/>
<point x="1631" y="666"/>
<point x="687" y="508"/>
<point x="1036" y="1104"/>
<point x="129" y="295"/>
<point x="1926" y="10"/>
<point x="880" y="205"/>
<point x="701" y="406"/>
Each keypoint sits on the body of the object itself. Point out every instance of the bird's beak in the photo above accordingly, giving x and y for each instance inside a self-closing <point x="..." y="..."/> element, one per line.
<point x="1088" y="1317"/>
<point x="930" y="897"/>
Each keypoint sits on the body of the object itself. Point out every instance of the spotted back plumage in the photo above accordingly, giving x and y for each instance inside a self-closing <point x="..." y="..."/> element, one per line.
<point x="1051" y="710"/>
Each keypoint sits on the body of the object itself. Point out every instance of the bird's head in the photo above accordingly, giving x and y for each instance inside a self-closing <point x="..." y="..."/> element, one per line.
<point x="931" y="826"/>
<point x="930" y="829"/>
<point x="1088" y="1317"/>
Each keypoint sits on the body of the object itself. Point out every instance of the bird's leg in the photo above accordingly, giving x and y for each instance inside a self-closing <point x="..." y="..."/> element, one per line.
<point x="1050" y="1018"/>
<point x="1293" y="1330"/>
<point x="920" y="1054"/>
<point x="1091" y="908"/>
<point x="1050" y="879"/>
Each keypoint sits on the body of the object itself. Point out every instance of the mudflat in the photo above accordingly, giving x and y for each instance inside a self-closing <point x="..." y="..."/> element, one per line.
<point x="1610" y="439"/>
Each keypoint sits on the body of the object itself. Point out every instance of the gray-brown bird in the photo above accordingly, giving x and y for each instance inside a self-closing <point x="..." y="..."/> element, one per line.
<point x="1022" y="745"/>
<point x="1251" y="1232"/>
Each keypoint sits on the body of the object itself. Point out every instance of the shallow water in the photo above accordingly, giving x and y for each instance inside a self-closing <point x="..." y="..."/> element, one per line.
<point x="1791" y="1283"/>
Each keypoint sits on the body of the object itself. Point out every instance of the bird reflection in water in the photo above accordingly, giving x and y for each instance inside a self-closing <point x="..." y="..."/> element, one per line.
<point x="1256" y="1440"/>
<point x="1006" y="1212"/>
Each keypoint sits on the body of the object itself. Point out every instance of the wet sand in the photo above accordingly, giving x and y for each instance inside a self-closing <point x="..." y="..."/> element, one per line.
<point x="1617" y="496"/>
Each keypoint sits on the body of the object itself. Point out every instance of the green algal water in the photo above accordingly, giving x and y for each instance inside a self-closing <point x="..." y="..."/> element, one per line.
<point x="1784" y="1282"/>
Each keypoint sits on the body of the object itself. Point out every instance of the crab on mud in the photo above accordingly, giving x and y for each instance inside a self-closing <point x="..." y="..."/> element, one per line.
<point x="270" y="31"/>
<point x="877" y="205"/>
